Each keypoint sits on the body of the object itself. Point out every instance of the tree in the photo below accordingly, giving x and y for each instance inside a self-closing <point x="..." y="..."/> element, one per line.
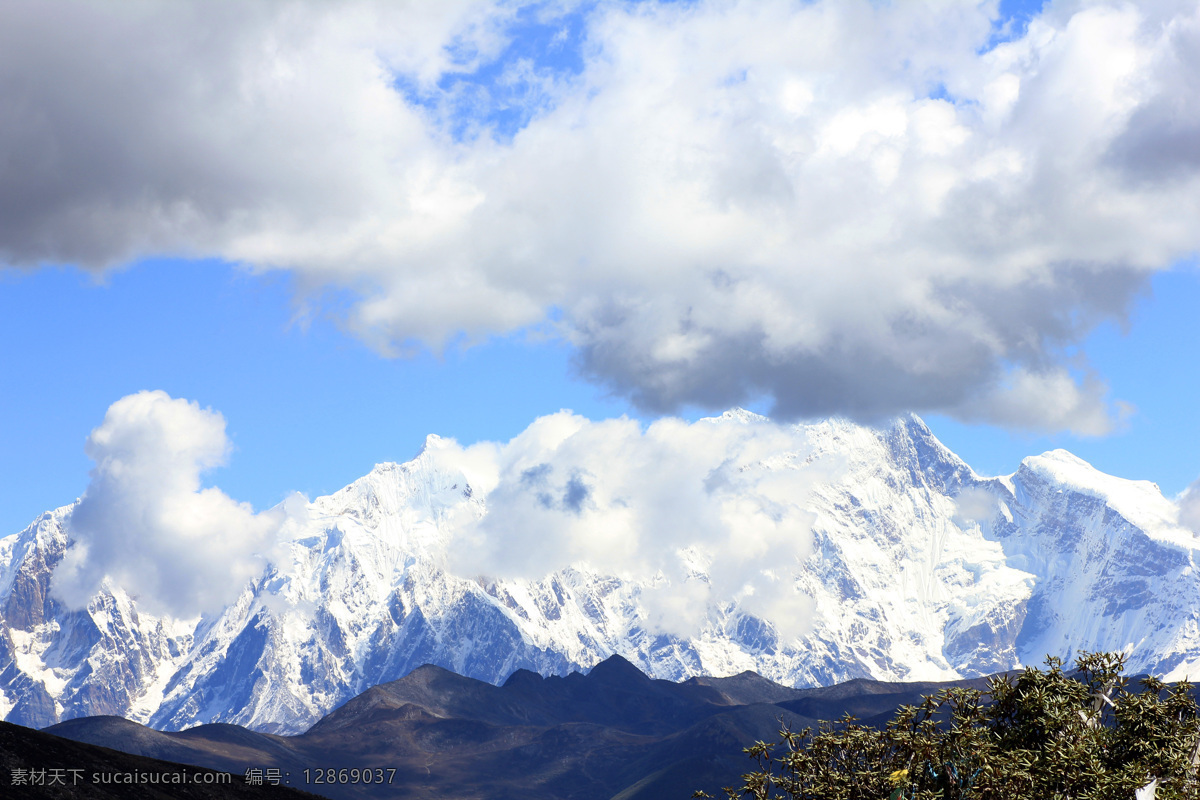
<point x="1038" y="735"/>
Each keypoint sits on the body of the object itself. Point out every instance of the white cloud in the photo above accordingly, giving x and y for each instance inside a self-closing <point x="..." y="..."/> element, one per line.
<point x="975" y="506"/>
<point x="851" y="207"/>
<point x="146" y="524"/>
<point x="659" y="505"/>
<point x="1189" y="507"/>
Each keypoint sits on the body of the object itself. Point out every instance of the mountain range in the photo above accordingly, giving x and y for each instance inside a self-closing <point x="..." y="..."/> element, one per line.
<point x="612" y="734"/>
<point x="918" y="569"/>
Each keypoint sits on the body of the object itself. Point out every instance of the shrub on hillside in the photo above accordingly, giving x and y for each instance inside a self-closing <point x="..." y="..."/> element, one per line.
<point x="1042" y="734"/>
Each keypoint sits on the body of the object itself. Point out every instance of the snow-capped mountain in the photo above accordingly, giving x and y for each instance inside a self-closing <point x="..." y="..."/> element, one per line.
<point x="918" y="569"/>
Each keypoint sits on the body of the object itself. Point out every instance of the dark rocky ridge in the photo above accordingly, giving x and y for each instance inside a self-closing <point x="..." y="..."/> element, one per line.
<point x="613" y="734"/>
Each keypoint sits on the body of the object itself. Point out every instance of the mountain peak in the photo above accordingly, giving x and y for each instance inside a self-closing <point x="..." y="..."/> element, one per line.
<point x="914" y="424"/>
<point x="738" y="415"/>
<point x="524" y="677"/>
<point x="1140" y="502"/>
<point x="429" y="673"/>
<point x="1070" y="471"/>
<point x="1064" y="457"/>
<point x="434" y="442"/>
<point x="617" y="669"/>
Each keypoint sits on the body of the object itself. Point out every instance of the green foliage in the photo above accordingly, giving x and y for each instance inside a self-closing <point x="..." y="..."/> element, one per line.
<point x="1039" y="735"/>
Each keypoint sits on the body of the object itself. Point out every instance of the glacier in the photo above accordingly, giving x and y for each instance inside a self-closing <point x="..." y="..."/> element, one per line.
<point x="918" y="569"/>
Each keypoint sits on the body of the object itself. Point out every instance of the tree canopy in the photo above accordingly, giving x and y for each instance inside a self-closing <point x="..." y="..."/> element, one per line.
<point x="1041" y="734"/>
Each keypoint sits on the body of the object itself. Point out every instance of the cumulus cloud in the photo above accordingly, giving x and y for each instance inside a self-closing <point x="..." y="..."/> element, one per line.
<point x="848" y="207"/>
<point x="146" y="524"/>
<point x="1189" y="507"/>
<point x="703" y="514"/>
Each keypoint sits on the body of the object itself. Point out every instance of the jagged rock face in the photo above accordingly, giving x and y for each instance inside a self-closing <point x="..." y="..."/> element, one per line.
<point x="901" y="583"/>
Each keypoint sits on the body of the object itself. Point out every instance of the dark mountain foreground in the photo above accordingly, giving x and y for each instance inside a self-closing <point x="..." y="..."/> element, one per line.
<point x="613" y="734"/>
<point x="34" y="764"/>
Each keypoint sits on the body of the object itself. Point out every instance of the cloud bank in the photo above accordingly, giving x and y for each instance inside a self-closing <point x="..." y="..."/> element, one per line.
<point x="846" y="207"/>
<point x="661" y="506"/>
<point x="146" y="524"/>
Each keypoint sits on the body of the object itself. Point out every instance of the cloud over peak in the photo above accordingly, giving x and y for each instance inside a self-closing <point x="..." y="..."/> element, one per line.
<point x="146" y="524"/>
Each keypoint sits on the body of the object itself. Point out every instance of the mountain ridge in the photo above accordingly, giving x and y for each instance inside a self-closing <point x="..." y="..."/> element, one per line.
<point x="462" y="739"/>
<point x="918" y="569"/>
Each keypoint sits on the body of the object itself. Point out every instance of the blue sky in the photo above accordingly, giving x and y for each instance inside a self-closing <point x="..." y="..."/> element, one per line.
<point x="308" y="408"/>
<point x="523" y="258"/>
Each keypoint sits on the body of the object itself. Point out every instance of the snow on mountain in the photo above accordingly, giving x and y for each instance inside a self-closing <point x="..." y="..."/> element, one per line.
<point x="1116" y="571"/>
<point x="918" y="569"/>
